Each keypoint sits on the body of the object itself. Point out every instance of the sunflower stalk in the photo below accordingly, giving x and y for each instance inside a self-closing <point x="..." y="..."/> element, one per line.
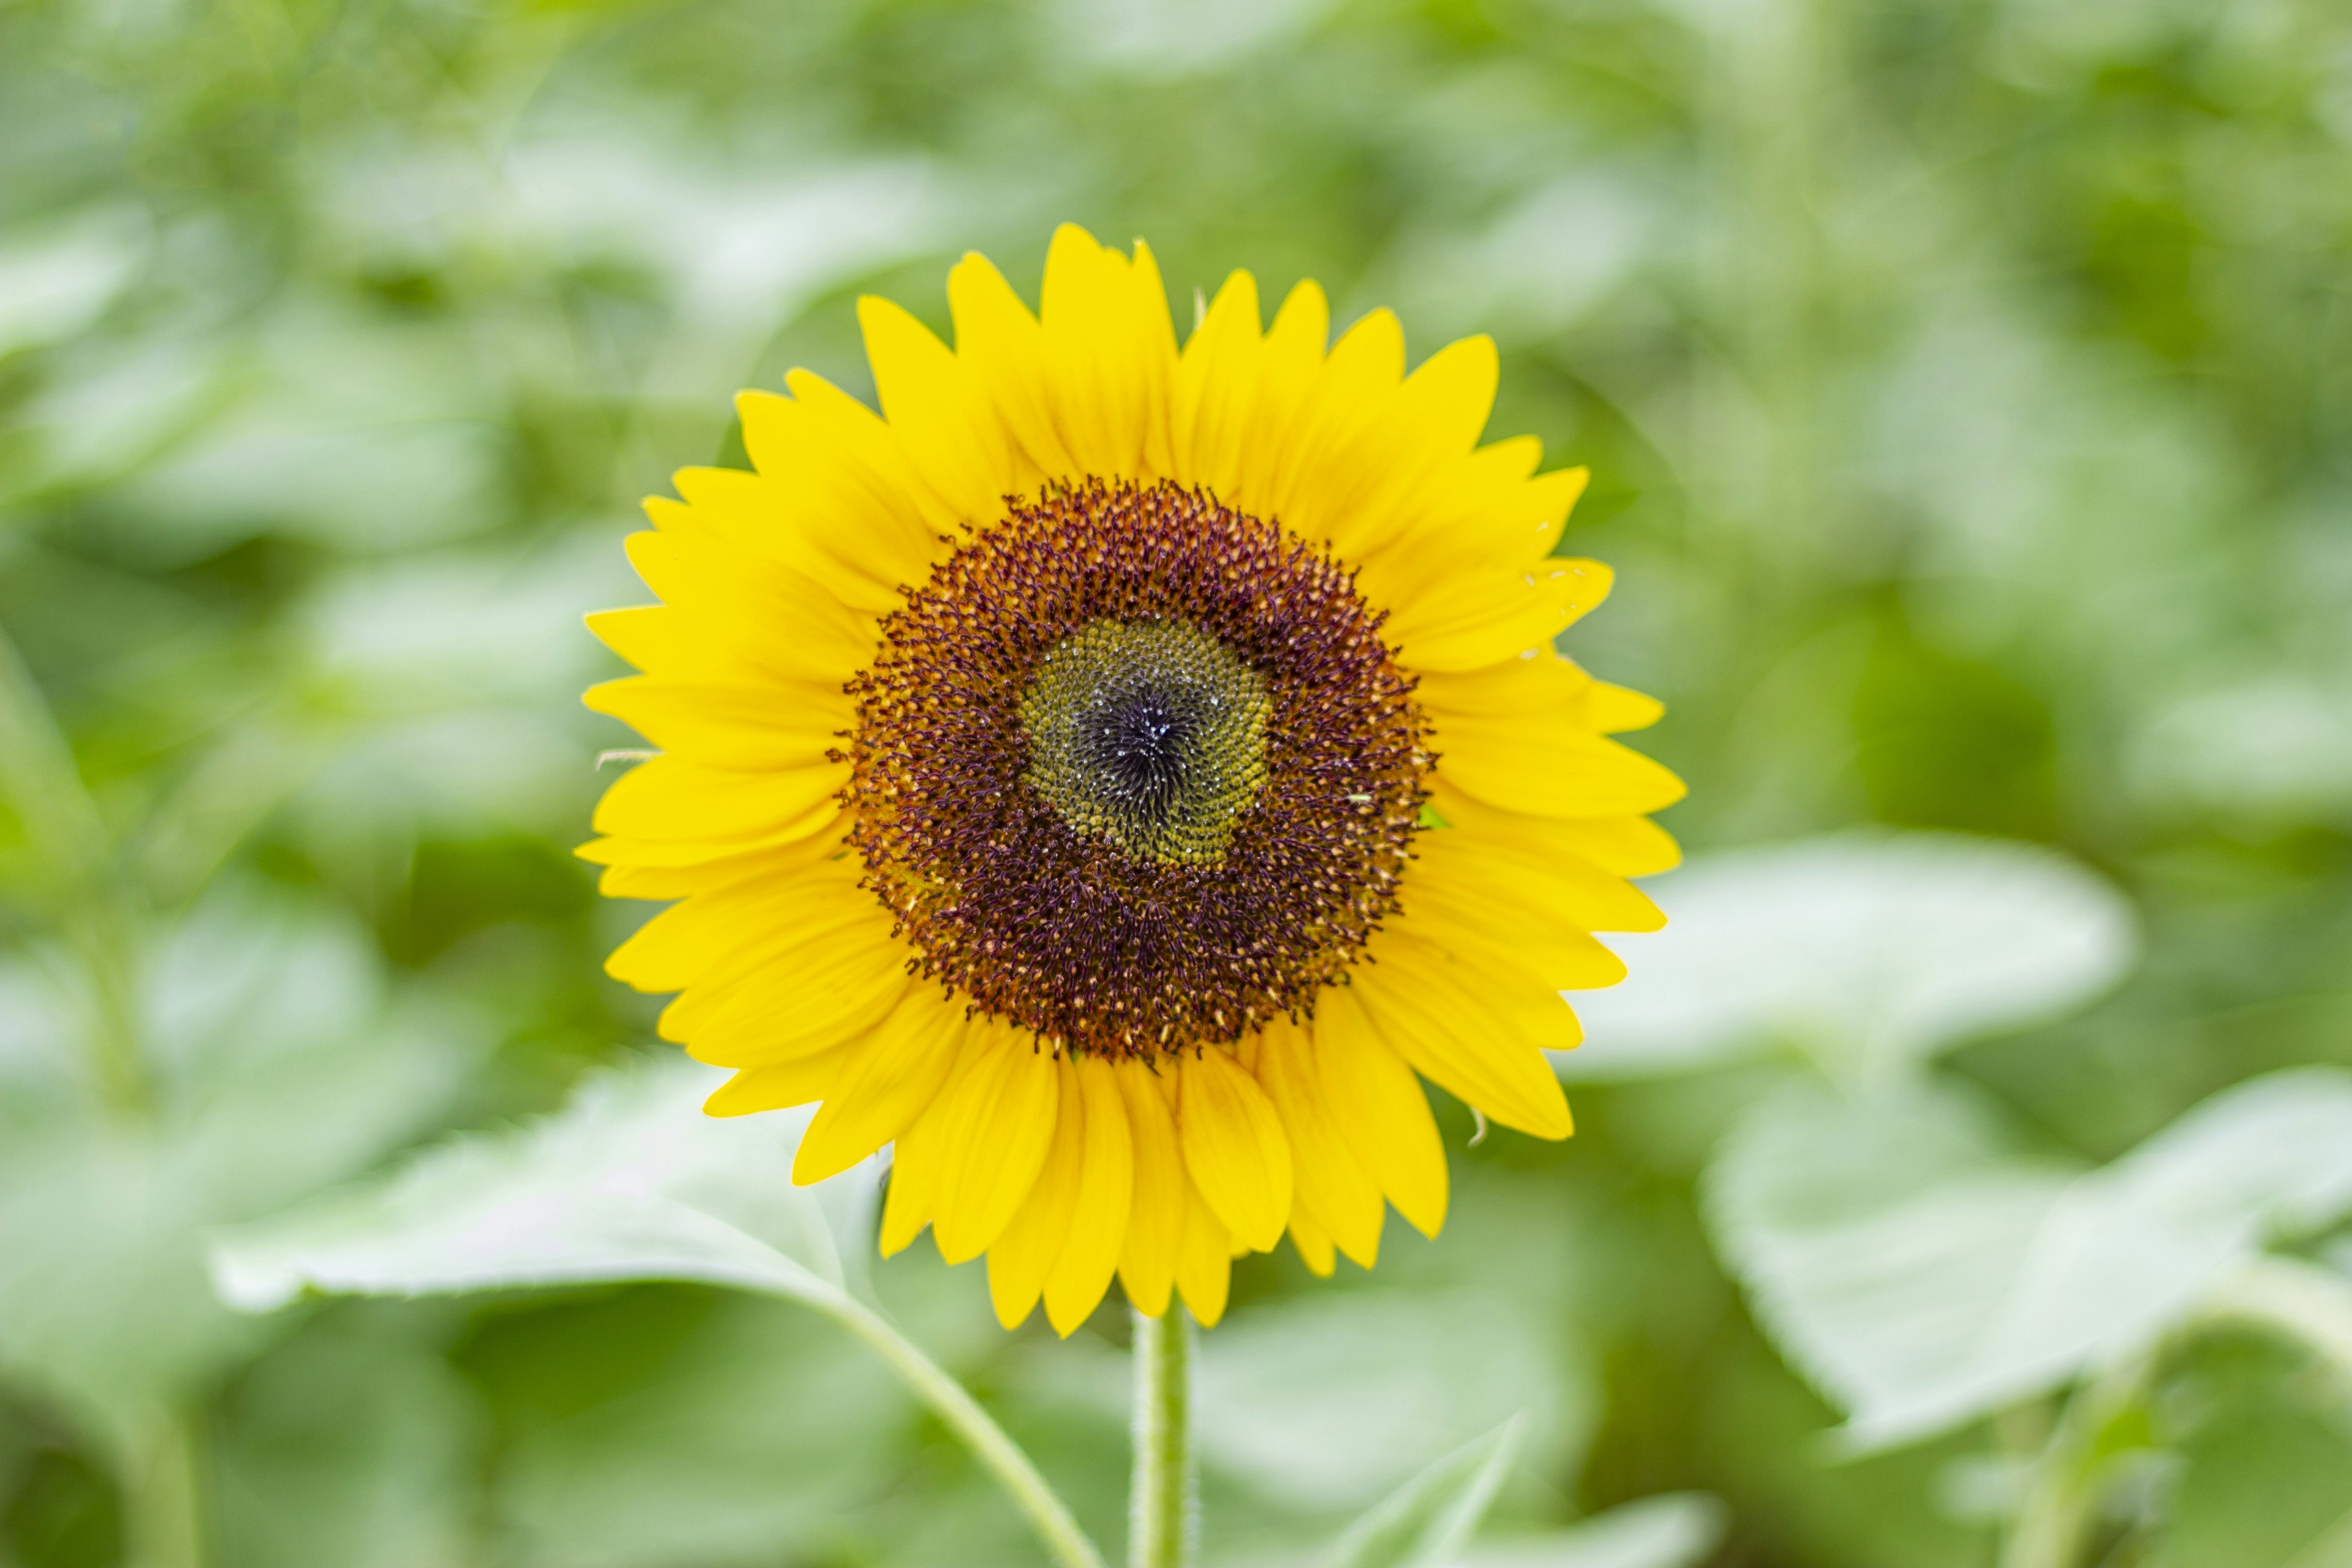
<point x="1163" y="1507"/>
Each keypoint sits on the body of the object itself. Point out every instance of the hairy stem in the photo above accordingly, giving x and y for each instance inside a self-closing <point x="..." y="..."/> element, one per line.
<point x="1047" y="1514"/>
<point x="1161" y="1510"/>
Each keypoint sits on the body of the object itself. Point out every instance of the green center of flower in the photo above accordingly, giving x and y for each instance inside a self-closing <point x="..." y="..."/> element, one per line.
<point x="1151" y="733"/>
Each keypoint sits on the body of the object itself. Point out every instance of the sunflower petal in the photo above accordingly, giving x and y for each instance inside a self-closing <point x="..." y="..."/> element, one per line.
<point x="1234" y="1146"/>
<point x="1018" y="1259"/>
<point x="1380" y="1109"/>
<point x="1155" y="1228"/>
<point x="1106" y="1195"/>
<point x="892" y="1078"/>
<point x="1000" y="1127"/>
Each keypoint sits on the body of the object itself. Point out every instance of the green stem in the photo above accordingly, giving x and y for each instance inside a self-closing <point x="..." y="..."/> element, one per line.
<point x="71" y="847"/>
<point x="2061" y="1507"/>
<point x="163" y="1505"/>
<point x="1162" y="1511"/>
<point x="1030" y="1493"/>
<point x="2297" y="1300"/>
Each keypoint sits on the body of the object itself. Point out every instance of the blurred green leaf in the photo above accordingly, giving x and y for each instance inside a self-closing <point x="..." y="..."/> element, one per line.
<point x="1426" y="1522"/>
<point x="281" y="1063"/>
<point x="1872" y="950"/>
<point x="1675" y="1531"/>
<point x="1329" y="1403"/>
<point x="630" y="1182"/>
<point x="1922" y="1276"/>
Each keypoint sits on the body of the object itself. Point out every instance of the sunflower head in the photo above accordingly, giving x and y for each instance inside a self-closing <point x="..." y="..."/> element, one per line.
<point x="1116" y="775"/>
<point x="1134" y="772"/>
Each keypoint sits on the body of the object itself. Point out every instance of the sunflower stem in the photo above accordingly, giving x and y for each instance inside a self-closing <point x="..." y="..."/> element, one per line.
<point x="1162" y="1508"/>
<point x="1030" y="1491"/>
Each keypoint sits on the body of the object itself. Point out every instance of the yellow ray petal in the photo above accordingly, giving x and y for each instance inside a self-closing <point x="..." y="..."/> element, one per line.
<point x="1288" y="361"/>
<point x="1204" y="1261"/>
<point x="1155" y="1229"/>
<point x="916" y="1162"/>
<point x="719" y="933"/>
<point x="1004" y="348"/>
<point x="893" y="1077"/>
<point x="1216" y="379"/>
<point x="952" y="436"/>
<point x="1474" y="620"/>
<point x="1622" y="846"/>
<point x="1019" y="1258"/>
<point x="1234" y="1145"/>
<point x="778" y="1088"/>
<point x="1550" y="769"/>
<point x="1469" y="865"/>
<point x="1313" y="1242"/>
<point x="1003" y="1111"/>
<point x="1380" y="1109"/>
<point x="676" y="798"/>
<point x="1332" y="1189"/>
<point x="1090" y="1252"/>
<point x="746" y="725"/>
<point x="1476" y="1025"/>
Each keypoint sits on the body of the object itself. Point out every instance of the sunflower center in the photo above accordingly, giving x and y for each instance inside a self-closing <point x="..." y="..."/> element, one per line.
<point x="1151" y="733"/>
<point x="1135" y="771"/>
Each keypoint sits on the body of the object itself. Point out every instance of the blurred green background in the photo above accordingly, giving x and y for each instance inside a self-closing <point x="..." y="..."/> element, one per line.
<point x="1968" y="388"/>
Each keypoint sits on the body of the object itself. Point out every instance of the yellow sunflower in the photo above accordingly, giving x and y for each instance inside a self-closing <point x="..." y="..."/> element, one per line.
<point x="1114" y="772"/>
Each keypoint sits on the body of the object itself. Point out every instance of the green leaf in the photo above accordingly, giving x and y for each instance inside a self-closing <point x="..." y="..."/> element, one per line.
<point x="1330" y="1401"/>
<point x="1426" y="1522"/>
<point x="281" y="1063"/>
<point x="1870" y="949"/>
<point x="630" y="1180"/>
<point x="1923" y="1276"/>
<point x="1674" y="1530"/>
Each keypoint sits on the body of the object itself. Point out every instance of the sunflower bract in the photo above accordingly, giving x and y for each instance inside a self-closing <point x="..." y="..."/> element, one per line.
<point x="1116" y="775"/>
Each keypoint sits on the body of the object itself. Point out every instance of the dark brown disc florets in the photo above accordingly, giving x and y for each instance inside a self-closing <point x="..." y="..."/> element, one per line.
<point x="1135" y="771"/>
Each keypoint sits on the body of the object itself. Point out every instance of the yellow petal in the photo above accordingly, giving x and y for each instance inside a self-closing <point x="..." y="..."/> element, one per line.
<point x="1155" y="1229"/>
<point x="915" y="1161"/>
<point x="1314" y="1244"/>
<point x="1479" y="618"/>
<point x="1470" y="866"/>
<point x="1332" y="1189"/>
<point x="674" y="798"/>
<point x="1621" y="845"/>
<point x="1003" y="1111"/>
<point x="1472" y="1024"/>
<point x="952" y="436"/>
<point x="1106" y="1196"/>
<point x="893" y="1077"/>
<point x="1379" y="1111"/>
<point x="1288" y="360"/>
<point x="1204" y="1261"/>
<point x="1216" y="380"/>
<point x="1234" y="1145"/>
<point x="1018" y="1259"/>
<point x="1004" y="348"/>
<point x="744" y="725"/>
<point x="1550" y="769"/>
<point x="778" y="1088"/>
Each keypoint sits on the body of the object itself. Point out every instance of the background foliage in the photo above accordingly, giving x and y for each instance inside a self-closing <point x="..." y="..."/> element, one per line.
<point x="1967" y="385"/>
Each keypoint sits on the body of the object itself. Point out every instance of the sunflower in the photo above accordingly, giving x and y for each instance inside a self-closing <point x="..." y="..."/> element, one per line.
<point x="1118" y="774"/>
